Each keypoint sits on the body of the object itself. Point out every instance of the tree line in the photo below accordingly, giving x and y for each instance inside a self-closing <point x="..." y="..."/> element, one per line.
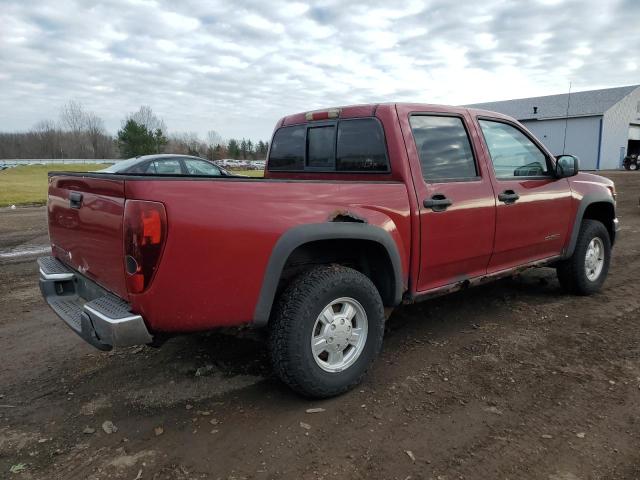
<point x="79" y="133"/>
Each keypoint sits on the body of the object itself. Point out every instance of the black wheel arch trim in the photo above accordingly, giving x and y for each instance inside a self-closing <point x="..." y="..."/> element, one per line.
<point x="585" y="202"/>
<point x="302" y="234"/>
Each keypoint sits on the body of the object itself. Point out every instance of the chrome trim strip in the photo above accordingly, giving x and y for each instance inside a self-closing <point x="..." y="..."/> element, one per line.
<point x="56" y="276"/>
<point x="102" y="316"/>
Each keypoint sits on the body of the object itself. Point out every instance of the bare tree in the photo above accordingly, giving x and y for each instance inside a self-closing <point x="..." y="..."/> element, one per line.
<point x="94" y="127"/>
<point x="150" y="120"/>
<point x="187" y="143"/>
<point x="72" y="116"/>
<point x="73" y="120"/>
<point x="214" y="139"/>
<point x="47" y="139"/>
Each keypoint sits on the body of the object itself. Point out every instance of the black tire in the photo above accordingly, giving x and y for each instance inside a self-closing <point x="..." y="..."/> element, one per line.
<point x="571" y="272"/>
<point x="293" y="321"/>
<point x="633" y="166"/>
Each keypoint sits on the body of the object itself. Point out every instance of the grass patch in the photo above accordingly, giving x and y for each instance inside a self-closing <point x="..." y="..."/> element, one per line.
<point x="27" y="184"/>
<point x="249" y="173"/>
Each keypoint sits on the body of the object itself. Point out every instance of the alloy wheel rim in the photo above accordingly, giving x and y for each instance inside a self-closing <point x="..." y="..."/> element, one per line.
<point x="339" y="335"/>
<point x="594" y="259"/>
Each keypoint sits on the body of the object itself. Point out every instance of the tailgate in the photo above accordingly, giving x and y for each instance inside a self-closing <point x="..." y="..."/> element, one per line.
<point x="85" y="227"/>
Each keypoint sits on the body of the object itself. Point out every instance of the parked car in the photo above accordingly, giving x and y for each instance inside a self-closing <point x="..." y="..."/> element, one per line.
<point x="361" y="210"/>
<point x="167" y="164"/>
<point x="631" y="162"/>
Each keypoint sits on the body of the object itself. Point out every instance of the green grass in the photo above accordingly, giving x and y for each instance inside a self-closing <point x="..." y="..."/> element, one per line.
<point x="249" y="173"/>
<point x="27" y="184"/>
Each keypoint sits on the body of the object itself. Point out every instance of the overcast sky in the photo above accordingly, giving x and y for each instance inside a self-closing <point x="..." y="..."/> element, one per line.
<point x="237" y="66"/>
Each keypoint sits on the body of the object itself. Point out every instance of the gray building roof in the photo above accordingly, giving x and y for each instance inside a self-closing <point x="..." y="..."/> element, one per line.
<point x="592" y="102"/>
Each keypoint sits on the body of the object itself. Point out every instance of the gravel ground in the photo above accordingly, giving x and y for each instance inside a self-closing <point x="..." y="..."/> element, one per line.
<point x="512" y="380"/>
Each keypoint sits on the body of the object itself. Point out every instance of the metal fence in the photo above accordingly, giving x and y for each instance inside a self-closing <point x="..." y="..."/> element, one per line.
<point x="42" y="161"/>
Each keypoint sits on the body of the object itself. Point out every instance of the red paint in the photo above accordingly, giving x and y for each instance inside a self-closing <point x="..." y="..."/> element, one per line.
<point x="90" y="238"/>
<point x="220" y="233"/>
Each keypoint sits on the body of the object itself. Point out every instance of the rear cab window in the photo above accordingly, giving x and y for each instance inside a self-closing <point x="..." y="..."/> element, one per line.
<point x="346" y="146"/>
<point x="444" y="148"/>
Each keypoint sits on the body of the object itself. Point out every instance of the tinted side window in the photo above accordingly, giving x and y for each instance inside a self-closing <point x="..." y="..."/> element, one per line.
<point x="287" y="149"/>
<point x="361" y="146"/>
<point x="512" y="153"/>
<point x="145" y="167"/>
<point x="443" y="147"/>
<point x="165" y="167"/>
<point x="320" y="143"/>
<point x="199" y="167"/>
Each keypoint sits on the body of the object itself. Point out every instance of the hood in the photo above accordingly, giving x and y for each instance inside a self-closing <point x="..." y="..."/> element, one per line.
<point x="591" y="178"/>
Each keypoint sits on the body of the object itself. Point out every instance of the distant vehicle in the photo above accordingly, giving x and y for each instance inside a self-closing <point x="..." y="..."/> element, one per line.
<point x="631" y="162"/>
<point x="242" y="164"/>
<point x="168" y="164"/>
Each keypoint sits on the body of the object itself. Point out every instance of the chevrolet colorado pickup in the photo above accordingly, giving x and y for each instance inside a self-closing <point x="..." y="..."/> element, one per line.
<point x="361" y="209"/>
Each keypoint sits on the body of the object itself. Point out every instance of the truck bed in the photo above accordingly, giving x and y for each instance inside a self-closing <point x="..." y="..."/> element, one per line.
<point x="220" y="236"/>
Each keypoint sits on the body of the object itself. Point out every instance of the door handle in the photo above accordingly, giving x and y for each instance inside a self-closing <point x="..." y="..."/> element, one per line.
<point x="75" y="199"/>
<point x="437" y="203"/>
<point x="508" y="197"/>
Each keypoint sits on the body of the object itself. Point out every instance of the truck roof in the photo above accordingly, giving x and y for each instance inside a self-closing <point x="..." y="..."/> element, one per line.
<point x="369" y="110"/>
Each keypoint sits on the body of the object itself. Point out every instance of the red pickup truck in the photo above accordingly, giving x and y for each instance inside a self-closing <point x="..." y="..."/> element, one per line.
<point x="362" y="208"/>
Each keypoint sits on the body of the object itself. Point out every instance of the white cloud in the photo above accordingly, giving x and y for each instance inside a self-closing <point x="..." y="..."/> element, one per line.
<point x="237" y="67"/>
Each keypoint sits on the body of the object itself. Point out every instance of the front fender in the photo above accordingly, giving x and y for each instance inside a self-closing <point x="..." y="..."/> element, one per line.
<point x="585" y="202"/>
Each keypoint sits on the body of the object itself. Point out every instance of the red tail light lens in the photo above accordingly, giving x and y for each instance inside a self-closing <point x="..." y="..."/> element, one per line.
<point x="145" y="233"/>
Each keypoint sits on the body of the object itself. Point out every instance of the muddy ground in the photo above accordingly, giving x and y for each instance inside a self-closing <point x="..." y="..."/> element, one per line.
<point x="510" y="380"/>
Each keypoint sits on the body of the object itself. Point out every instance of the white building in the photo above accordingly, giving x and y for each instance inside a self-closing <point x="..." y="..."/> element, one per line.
<point x="601" y="128"/>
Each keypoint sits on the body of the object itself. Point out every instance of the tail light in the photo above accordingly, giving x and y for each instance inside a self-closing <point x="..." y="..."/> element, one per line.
<point x="145" y="233"/>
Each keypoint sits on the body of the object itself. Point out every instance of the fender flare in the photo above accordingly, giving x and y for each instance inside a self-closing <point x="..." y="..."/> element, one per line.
<point x="587" y="200"/>
<point x="302" y="234"/>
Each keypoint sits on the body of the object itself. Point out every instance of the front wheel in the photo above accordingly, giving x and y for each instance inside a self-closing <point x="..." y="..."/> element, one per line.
<point x="633" y="166"/>
<point x="585" y="271"/>
<point x="326" y="331"/>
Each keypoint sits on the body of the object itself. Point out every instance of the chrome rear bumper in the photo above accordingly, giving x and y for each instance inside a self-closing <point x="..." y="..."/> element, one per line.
<point x="99" y="317"/>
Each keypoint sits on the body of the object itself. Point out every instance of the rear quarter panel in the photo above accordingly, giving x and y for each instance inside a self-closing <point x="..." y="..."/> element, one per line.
<point x="221" y="234"/>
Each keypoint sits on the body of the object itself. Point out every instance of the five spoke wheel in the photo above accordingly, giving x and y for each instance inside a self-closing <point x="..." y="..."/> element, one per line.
<point x="594" y="259"/>
<point x="339" y="334"/>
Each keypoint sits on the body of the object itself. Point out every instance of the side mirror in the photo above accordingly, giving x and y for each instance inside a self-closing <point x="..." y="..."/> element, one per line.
<point x="567" y="166"/>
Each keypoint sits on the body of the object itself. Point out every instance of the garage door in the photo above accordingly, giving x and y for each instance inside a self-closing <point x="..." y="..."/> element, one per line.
<point x="634" y="132"/>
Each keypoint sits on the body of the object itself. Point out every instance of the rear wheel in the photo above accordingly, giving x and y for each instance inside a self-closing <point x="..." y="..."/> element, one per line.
<point x="633" y="166"/>
<point x="585" y="271"/>
<point x="326" y="331"/>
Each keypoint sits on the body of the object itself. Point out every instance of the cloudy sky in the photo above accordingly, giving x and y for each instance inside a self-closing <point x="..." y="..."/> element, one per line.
<point x="237" y="66"/>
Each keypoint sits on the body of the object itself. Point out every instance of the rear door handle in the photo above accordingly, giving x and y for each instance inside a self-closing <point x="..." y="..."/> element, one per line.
<point x="75" y="199"/>
<point x="508" y="197"/>
<point x="437" y="203"/>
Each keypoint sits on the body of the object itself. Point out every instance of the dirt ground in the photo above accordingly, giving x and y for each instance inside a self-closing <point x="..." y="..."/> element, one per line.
<point x="512" y="380"/>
